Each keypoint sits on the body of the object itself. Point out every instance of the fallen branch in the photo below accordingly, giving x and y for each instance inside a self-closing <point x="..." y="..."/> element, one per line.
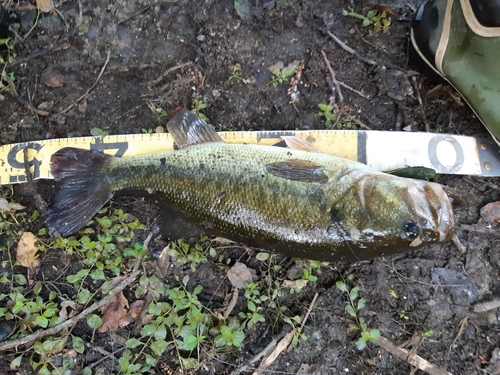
<point x="478" y="228"/>
<point x="486" y="306"/>
<point x="13" y="91"/>
<point x="268" y="349"/>
<point x="284" y="342"/>
<point x="311" y="305"/>
<point x="332" y="75"/>
<point x="354" y="90"/>
<point x="459" y="244"/>
<point x="89" y="90"/>
<point x="346" y="48"/>
<point x="412" y="358"/>
<point x="357" y="121"/>
<point x="68" y="323"/>
<point x="271" y="357"/>
<point x="168" y="71"/>
<point x="421" y="104"/>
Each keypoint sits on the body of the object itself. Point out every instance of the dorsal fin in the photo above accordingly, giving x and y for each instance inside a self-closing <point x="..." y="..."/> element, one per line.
<point x="187" y="129"/>
<point x="296" y="143"/>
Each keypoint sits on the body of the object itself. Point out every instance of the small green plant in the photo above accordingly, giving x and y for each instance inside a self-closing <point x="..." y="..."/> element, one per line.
<point x="281" y="74"/>
<point x="96" y="132"/>
<point x="198" y="106"/>
<point x="10" y="218"/>
<point x="428" y="333"/>
<point x="6" y="57"/>
<point x="228" y="333"/>
<point x="355" y="304"/>
<point x="254" y="302"/>
<point x="181" y="322"/>
<point x="326" y="111"/>
<point x="184" y="253"/>
<point x="379" y="20"/>
<point x="147" y="131"/>
<point x="331" y="117"/>
<point x="237" y="75"/>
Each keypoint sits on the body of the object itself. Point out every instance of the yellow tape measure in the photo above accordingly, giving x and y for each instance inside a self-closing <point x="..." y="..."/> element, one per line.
<point x="379" y="149"/>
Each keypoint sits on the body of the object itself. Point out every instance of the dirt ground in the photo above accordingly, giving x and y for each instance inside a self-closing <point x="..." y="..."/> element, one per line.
<point x="167" y="54"/>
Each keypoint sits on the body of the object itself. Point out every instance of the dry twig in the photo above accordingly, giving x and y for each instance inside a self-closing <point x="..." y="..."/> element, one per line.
<point x="460" y="331"/>
<point x="346" y="48"/>
<point x="412" y="358"/>
<point x="487" y="306"/>
<point x="13" y="91"/>
<point x="284" y="342"/>
<point x="89" y="90"/>
<point x="168" y="71"/>
<point x="354" y="90"/>
<point x="421" y="104"/>
<point x="459" y="244"/>
<point x="334" y="80"/>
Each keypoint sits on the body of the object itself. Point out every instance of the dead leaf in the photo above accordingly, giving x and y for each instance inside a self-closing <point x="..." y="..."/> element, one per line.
<point x="491" y="212"/>
<point x="26" y="251"/>
<point x="54" y="81"/>
<point x="239" y="274"/>
<point x="44" y="6"/>
<point x="134" y="312"/>
<point x="164" y="262"/>
<point x="229" y="304"/>
<point x="6" y="206"/>
<point x="384" y="8"/>
<point x="82" y="106"/>
<point x="114" y="313"/>
<point x="63" y="313"/>
<point x="222" y="240"/>
<point x="297" y="284"/>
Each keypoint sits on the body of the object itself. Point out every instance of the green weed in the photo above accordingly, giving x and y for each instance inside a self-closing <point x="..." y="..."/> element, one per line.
<point x="6" y="58"/>
<point x="96" y="132"/>
<point x="280" y="74"/>
<point x="237" y="75"/>
<point x="326" y="111"/>
<point x="198" y="105"/>
<point x="379" y="20"/>
<point x="353" y="308"/>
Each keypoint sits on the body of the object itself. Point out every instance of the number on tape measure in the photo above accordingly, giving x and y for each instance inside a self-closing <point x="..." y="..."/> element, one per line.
<point x="18" y="152"/>
<point x="441" y="161"/>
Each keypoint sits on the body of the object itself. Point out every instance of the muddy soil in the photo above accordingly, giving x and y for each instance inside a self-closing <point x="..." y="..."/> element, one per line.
<point x="167" y="54"/>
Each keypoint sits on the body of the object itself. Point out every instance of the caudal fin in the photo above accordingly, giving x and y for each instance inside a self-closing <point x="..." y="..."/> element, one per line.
<point x="84" y="189"/>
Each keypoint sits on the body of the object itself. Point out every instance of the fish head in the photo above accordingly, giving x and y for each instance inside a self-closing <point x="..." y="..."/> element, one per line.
<point x="397" y="214"/>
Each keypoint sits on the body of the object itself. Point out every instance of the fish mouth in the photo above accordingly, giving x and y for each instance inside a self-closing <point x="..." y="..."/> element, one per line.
<point x="433" y="207"/>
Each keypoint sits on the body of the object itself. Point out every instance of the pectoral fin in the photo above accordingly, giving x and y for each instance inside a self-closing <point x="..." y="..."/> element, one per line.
<point x="298" y="170"/>
<point x="188" y="129"/>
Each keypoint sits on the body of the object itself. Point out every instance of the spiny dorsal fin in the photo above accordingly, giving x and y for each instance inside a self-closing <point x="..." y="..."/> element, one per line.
<point x="298" y="170"/>
<point x="188" y="129"/>
<point x="296" y="143"/>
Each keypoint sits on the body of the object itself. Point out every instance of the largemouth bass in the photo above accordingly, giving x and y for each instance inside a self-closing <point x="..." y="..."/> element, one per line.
<point x="289" y="200"/>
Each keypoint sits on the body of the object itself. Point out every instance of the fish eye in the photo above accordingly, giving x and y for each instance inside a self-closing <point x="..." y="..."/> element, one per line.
<point x="411" y="229"/>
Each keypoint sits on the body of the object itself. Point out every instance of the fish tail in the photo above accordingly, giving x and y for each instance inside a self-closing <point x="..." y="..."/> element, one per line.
<point x="84" y="189"/>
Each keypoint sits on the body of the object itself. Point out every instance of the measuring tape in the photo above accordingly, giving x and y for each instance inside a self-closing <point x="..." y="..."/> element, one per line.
<point x="381" y="150"/>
